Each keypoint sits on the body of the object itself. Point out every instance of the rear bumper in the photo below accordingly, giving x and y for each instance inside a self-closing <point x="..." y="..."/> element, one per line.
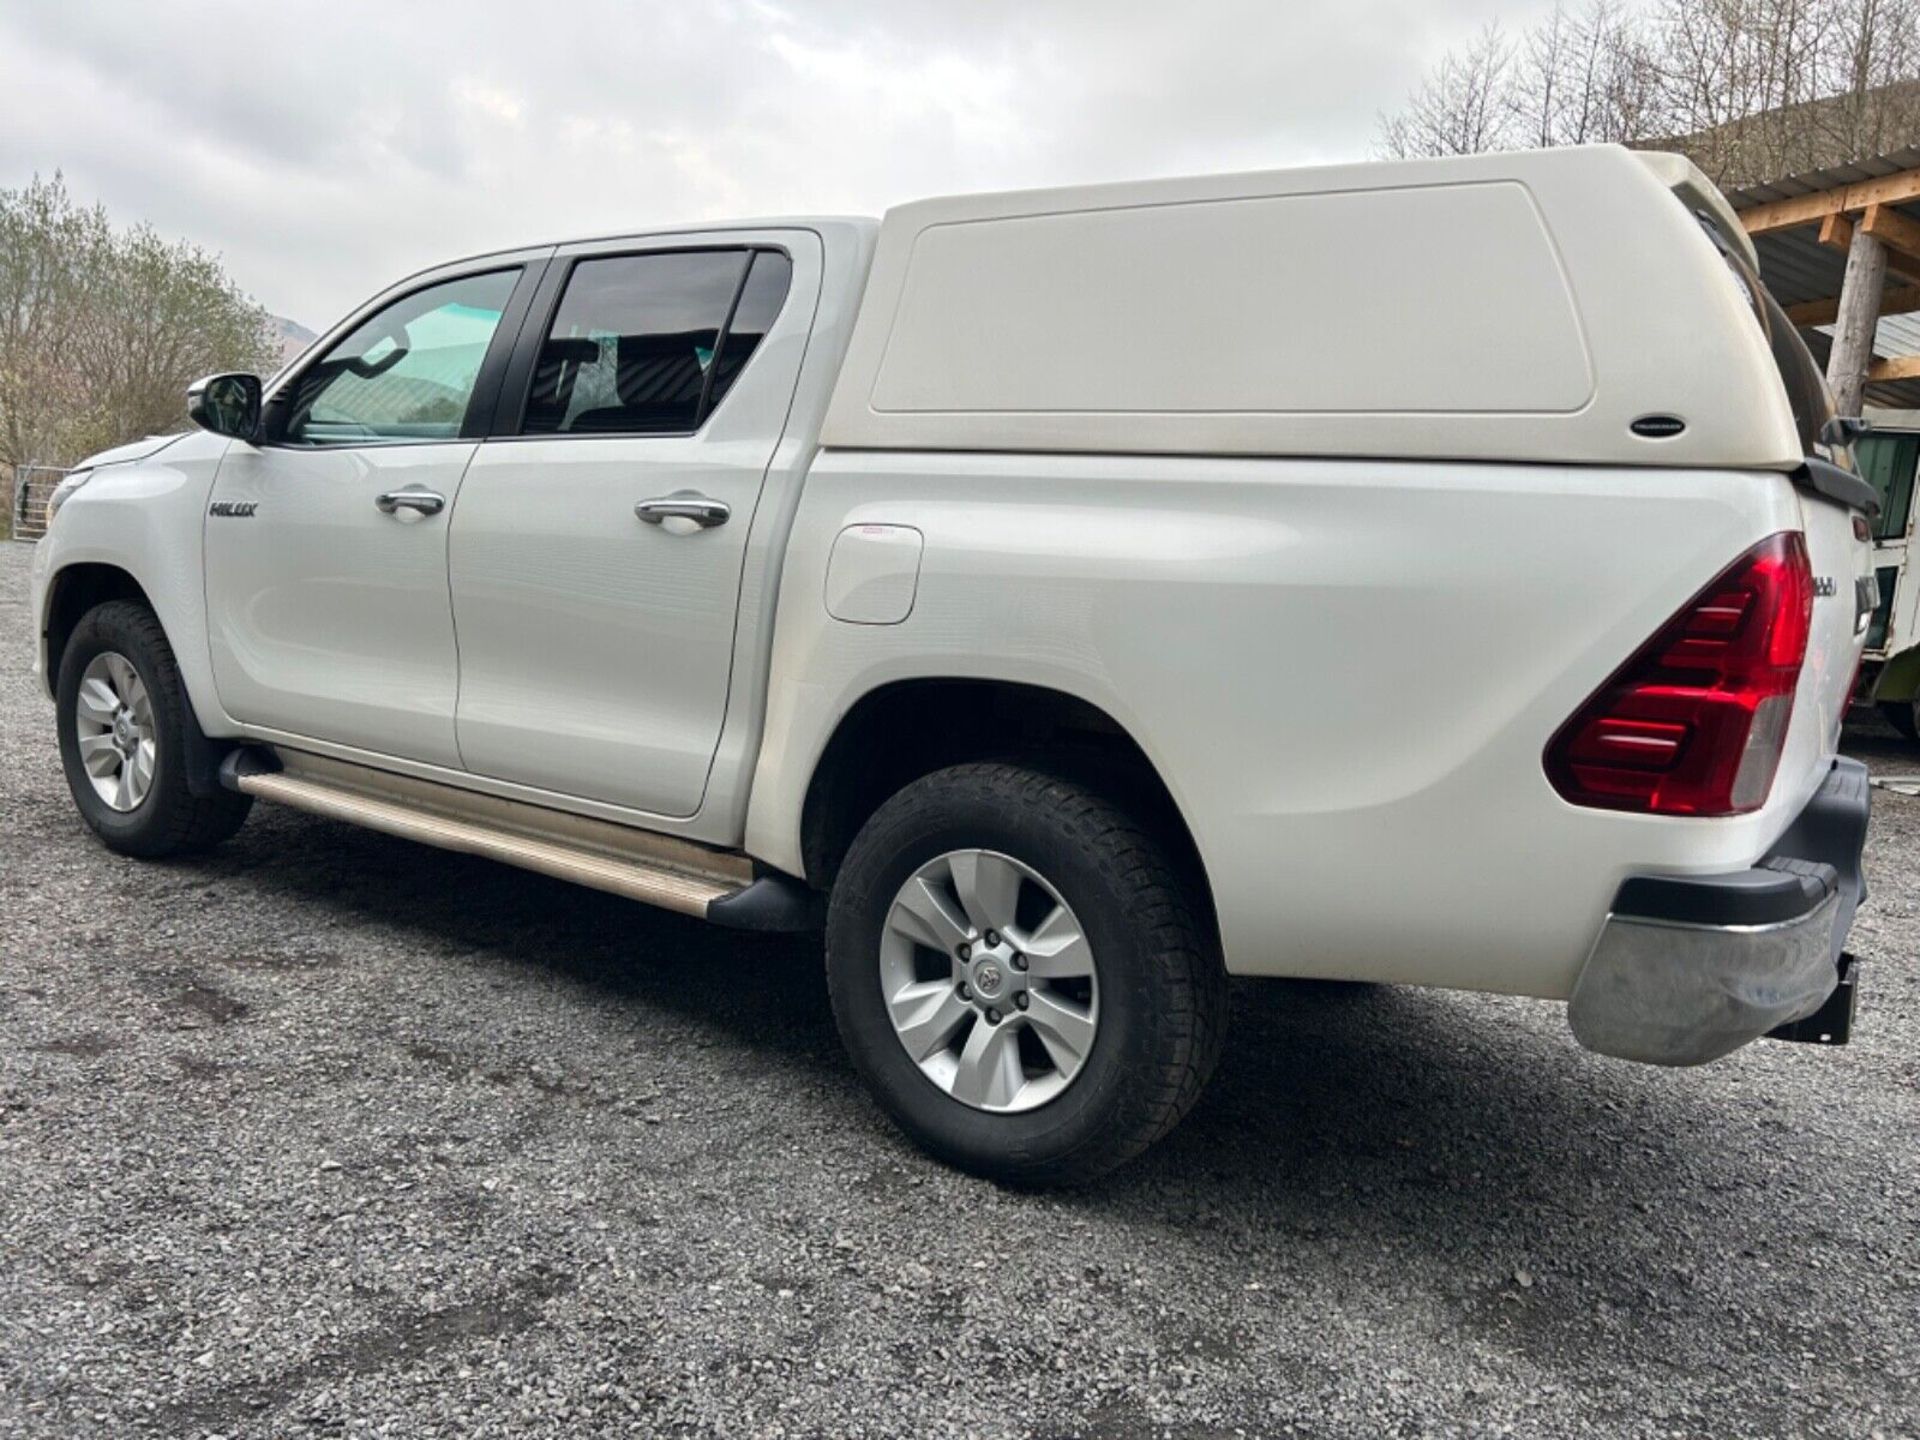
<point x="1690" y="967"/>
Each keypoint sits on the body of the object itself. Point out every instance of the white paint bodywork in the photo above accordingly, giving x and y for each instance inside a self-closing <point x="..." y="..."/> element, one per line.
<point x="1345" y="669"/>
<point x="596" y="651"/>
<point x="144" y="516"/>
<point x="873" y="574"/>
<point x="1498" y="307"/>
<point x="327" y="617"/>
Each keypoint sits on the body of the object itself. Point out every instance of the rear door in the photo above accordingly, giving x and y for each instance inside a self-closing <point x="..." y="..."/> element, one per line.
<point x="598" y="546"/>
<point x="326" y="544"/>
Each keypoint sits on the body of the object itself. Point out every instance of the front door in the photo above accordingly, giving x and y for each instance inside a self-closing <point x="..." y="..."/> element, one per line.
<point x="599" y="543"/>
<point x="326" y="544"/>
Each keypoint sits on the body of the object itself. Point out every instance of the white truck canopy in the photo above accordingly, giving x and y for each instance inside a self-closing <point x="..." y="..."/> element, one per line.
<point x="1525" y="306"/>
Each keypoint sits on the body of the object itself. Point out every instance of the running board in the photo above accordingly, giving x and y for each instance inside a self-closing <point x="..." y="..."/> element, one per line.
<point x="638" y="864"/>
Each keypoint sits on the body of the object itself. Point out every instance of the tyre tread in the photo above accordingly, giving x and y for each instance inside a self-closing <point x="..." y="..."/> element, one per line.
<point x="1191" y="984"/>
<point x="186" y="823"/>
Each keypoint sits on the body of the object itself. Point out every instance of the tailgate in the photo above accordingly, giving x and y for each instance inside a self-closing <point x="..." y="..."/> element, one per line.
<point x="1842" y="557"/>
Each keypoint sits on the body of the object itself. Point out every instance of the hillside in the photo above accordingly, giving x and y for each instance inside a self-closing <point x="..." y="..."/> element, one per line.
<point x="293" y="336"/>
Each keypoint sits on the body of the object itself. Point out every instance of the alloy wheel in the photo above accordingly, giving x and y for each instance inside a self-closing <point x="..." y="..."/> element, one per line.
<point x="989" y="981"/>
<point x="113" y="723"/>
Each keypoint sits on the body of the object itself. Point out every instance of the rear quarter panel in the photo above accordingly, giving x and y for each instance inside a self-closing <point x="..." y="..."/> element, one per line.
<point x="1345" y="671"/>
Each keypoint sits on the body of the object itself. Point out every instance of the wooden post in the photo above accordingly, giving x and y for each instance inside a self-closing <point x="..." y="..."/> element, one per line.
<point x="1854" y="326"/>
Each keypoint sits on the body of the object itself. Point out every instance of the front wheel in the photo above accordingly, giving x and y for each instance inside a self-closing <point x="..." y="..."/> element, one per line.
<point x="1019" y="973"/>
<point x="121" y="713"/>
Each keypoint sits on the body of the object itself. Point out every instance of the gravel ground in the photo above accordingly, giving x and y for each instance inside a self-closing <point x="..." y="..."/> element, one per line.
<point x="329" y="1134"/>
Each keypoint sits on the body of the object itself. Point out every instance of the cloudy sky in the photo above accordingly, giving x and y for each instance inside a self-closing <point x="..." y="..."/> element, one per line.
<point x="325" y="149"/>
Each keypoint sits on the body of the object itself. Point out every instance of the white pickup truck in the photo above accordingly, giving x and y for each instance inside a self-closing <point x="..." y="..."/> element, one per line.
<point x="1445" y="573"/>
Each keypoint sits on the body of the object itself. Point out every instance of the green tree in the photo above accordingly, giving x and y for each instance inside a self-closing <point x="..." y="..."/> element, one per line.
<point x="102" y="329"/>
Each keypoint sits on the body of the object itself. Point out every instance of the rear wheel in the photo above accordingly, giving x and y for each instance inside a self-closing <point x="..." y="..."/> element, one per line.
<point x="1903" y="715"/>
<point x="121" y="717"/>
<point x="1019" y="973"/>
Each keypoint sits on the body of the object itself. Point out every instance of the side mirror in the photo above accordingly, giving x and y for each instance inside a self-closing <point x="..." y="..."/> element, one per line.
<point x="226" y="405"/>
<point x="1844" y="429"/>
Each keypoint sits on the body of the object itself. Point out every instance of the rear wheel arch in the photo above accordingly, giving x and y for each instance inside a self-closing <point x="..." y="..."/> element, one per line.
<point x="900" y="732"/>
<point x="1128" y="997"/>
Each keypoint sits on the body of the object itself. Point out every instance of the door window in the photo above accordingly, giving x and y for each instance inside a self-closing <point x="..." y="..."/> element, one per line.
<point x="1887" y="462"/>
<point x="641" y="345"/>
<point x="760" y="301"/>
<point x="407" y="373"/>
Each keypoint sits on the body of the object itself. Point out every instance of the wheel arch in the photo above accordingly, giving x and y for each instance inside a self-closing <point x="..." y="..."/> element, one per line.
<point x="76" y="589"/>
<point x="1899" y="677"/>
<point x="905" y="729"/>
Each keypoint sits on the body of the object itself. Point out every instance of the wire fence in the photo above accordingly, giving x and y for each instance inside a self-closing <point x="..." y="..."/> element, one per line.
<point x="32" y="485"/>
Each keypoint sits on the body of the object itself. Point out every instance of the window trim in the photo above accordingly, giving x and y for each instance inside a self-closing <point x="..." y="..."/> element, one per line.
<point x="487" y="380"/>
<point x="516" y="388"/>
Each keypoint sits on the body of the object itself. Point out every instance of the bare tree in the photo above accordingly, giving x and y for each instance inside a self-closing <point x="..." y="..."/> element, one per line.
<point x="1751" y="88"/>
<point x="1464" y="107"/>
<point x="101" y="330"/>
<point x="1583" y="77"/>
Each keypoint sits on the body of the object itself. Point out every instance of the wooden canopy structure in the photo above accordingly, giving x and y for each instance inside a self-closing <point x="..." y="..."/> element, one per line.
<point x="1840" y="249"/>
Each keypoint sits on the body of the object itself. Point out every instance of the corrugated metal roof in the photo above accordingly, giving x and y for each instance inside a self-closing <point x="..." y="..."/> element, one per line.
<point x="1832" y="178"/>
<point x="1798" y="268"/>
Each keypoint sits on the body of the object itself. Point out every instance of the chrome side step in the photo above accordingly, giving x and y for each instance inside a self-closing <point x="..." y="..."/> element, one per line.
<point x="638" y="864"/>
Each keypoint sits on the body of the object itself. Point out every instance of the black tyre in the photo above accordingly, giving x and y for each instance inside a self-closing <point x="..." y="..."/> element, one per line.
<point x="1021" y="974"/>
<point x="121" y="712"/>
<point x="1900" y="714"/>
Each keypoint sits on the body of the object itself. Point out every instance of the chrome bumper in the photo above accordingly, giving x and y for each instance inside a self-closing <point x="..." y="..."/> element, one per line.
<point x="1677" y="994"/>
<point x="1690" y="968"/>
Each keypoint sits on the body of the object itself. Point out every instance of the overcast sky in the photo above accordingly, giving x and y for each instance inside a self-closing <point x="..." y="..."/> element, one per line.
<point x="326" y="149"/>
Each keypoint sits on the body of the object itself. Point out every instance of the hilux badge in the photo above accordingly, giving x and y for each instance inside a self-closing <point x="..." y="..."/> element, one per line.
<point x="237" y="509"/>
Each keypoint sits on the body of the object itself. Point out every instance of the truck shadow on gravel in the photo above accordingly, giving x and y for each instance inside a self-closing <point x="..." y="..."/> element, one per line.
<point x="1355" y="1139"/>
<point x="1324" y="1092"/>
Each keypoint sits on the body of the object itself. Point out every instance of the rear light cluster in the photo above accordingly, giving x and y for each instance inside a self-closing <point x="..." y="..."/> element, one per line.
<point x="1695" y="722"/>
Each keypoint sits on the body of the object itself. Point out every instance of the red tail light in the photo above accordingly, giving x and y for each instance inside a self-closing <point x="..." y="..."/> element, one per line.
<point x="1695" y="722"/>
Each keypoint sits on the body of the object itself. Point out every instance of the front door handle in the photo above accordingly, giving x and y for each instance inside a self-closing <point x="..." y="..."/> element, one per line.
<point x="425" y="501"/>
<point x="684" y="505"/>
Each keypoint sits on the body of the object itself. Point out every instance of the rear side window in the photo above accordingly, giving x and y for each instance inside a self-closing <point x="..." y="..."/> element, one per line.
<point x="1807" y="392"/>
<point x="641" y="345"/>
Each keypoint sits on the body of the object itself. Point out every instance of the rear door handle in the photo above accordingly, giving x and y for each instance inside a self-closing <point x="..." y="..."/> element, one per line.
<point x="425" y="501"/>
<point x="684" y="505"/>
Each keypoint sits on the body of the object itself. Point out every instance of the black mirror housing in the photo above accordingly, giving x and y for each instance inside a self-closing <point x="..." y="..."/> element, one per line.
<point x="226" y="405"/>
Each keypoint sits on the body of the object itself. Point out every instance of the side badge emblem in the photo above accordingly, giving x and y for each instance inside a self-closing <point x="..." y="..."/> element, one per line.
<point x="236" y="509"/>
<point x="1658" y="427"/>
